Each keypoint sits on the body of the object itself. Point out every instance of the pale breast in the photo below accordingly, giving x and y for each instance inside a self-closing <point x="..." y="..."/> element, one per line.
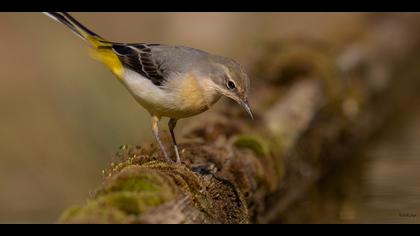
<point x="178" y="98"/>
<point x="144" y="91"/>
<point x="192" y="95"/>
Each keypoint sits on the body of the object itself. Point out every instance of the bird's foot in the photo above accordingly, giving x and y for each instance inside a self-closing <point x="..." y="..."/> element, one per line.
<point x="178" y="159"/>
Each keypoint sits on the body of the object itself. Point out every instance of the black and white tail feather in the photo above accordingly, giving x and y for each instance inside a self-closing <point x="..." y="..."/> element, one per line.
<point x="75" y="26"/>
<point x="137" y="57"/>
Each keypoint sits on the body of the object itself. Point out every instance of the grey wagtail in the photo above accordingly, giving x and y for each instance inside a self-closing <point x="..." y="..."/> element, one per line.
<point x="168" y="81"/>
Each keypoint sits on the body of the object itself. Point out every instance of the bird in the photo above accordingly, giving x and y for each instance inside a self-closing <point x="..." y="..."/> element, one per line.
<point x="167" y="80"/>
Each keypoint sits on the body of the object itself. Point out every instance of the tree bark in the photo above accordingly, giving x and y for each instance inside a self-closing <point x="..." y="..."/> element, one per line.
<point x="315" y="103"/>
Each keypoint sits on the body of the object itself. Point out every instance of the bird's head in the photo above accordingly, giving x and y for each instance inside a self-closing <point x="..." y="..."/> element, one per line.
<point x="232" y="81"/>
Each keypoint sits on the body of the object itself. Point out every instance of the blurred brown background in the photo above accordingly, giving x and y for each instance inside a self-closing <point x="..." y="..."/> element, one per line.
<point x="63" y="115"/>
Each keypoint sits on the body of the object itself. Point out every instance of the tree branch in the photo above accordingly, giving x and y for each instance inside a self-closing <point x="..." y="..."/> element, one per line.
<point x="316" y="105"/>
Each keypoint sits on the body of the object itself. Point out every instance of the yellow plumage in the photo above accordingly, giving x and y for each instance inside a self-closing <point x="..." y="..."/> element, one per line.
<point x="108" y="57"/>
<point x="105" y="55"/>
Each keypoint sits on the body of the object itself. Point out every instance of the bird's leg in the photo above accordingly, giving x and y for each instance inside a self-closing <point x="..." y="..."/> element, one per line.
<point x="155" y="128"/>
<point x="171" y="125"/>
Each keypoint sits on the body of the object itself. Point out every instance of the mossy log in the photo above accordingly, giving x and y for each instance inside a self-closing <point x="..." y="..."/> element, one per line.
<point x="314" y="104"/>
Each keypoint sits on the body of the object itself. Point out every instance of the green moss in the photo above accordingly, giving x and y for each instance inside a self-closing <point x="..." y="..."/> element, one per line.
<point x="115" y="207"/>
<point x="184" y="177"/>
<point x="138" y="185"/>
<point x="132" y="203"/>
<point x="125" y="194"/>
<point x="133" y="188"/>
<point x="95" y="212"/>
<point x="124" y="201"/>
<point x="70" y="212"/>
<point x="253" y="142"/>
<point x="137" y="179"/>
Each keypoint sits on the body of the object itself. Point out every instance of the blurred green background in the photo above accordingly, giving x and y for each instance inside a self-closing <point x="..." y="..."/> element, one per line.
<point x="63" y="115"/>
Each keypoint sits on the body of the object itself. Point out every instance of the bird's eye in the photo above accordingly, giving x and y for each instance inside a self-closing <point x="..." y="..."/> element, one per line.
<point x="230" y="85"/>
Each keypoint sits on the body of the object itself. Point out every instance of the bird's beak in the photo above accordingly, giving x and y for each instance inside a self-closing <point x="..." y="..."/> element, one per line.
<point x="241" y="101"/>
<point x="245" y="105"/>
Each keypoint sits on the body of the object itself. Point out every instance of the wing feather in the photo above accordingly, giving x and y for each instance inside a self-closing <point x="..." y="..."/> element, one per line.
<point x="138" y="57"/>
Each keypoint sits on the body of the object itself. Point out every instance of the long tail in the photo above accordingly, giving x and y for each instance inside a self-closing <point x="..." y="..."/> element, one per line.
<point x="101" y="48"/>
<point x="77" y="28"/>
